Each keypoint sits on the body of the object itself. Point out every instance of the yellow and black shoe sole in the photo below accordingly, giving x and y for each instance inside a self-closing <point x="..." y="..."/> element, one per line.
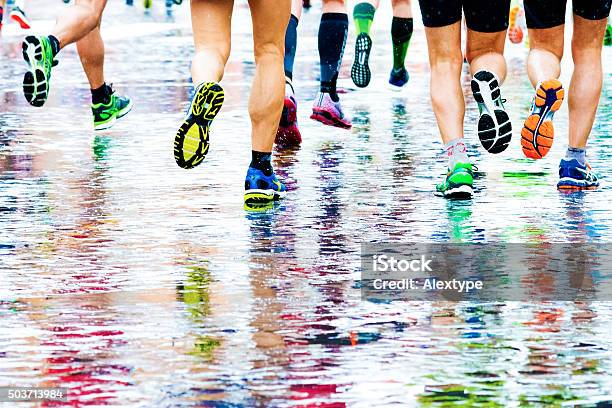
<point x="191" y="140"/>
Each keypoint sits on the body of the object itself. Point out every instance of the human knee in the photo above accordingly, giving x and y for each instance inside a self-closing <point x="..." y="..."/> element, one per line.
<point x="270" y="52"/>
<point x="586" y="57"/>
<point x="400" y="3"/>
<point x="334" y="6"/>
<point x="473" y="52"/>
<point x="334" y="3"/>
<point x="547" y="43"/>
<point x="586" y="52"/>
<point x="218" y="53"/>
<point x="444" y="74"/>
<point x="94" y="8"/>
<point x="446" y="64"/>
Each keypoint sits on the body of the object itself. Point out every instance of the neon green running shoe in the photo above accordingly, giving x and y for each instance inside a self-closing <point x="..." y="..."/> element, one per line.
<point x="191" y="140"/>
<point x="105" y="115"/>
<point x="38" y="54"/>
<point x="458" y="182"/>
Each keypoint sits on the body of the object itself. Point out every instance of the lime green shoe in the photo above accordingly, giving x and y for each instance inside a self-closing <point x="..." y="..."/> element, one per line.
<point x="458" y="182"/>
<point x="191" y="140"/>
<point x="105" y="115"/>
<point x="608" y="36"/>
<point x="38" y="54"/>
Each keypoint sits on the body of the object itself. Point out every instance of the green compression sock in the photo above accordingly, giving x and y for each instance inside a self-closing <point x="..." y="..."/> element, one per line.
<point x="363" y="13"/>
<point x="401" y="32"/>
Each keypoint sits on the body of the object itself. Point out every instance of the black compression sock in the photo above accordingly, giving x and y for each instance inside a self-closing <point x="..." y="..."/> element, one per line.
<point x="290" y="45"/>
<point x="262" y="161"/>
<point x="332" y="39"/>
<point x="330" y="88"/>
<point x="101" y="95"/>
<point x="55" y="44"/>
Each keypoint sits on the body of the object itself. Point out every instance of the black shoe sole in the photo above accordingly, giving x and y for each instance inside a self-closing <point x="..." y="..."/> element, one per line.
<point x="205" y="106"/>
<point x="495" y="132"/>
<point x="35" y="81"/>
<point x="360" y="72"/>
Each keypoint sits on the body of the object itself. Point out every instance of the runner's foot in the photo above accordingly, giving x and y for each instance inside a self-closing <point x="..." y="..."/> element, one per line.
<point x="106" y="114"/>
<point x="328" y="112"/>
<point x="288" y="133"/>
<point x="457" y="183"/>
<point x="360" y="72"/>
<point x="191" y="140"/>
<point x="575" y="176"/>
<point x="494" y="127"/>
<point x="538" y="131"/>
<point x="38" y="54"/>
<point x="260" y="189"/>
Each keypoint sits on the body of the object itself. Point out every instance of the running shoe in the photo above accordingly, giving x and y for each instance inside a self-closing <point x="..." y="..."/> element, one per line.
<point x="191" y="140"/>
<point x="288" y="133"/>
<point x="575" y="176"/>
<point x="328" y="112"/>
<point x="147" y="4"/>
<point x="105" y="115"/>
<point x="360" y="72"/>
<point x="458" y="182"/>
<point x="608" y="36"/>
<point x="538" y="132"/>
<point x="262" y="189"/>
<point x="20" y="18"/>
<point x="398" y="78"/>
<point x="38" y="54"/>
<point x="515" y="31"/>
<point x="494" y="127"/>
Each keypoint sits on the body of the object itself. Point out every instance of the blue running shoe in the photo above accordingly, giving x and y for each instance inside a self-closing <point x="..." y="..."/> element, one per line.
<point x="398" y="78"/>
<point x="262" y="189"/>
<point x="575" y="176"/>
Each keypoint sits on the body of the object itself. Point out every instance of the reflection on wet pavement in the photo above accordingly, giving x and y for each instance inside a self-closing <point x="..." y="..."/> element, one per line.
<point x="136" y="283"/>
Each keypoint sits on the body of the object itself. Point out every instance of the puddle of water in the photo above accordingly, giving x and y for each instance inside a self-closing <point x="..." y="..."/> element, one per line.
<point x="135" y="283"/>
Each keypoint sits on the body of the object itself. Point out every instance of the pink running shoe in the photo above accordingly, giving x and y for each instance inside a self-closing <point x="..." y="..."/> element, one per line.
<point x="328" y="112"/>
<point x="288" y="133"/>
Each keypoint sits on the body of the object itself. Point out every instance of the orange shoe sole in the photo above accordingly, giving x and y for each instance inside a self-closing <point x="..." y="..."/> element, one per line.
<point x="538" y="132"/>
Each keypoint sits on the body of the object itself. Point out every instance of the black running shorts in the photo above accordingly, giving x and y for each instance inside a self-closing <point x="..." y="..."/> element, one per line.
<point x="551" y="13"/>
<point x="485" y="16"/>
